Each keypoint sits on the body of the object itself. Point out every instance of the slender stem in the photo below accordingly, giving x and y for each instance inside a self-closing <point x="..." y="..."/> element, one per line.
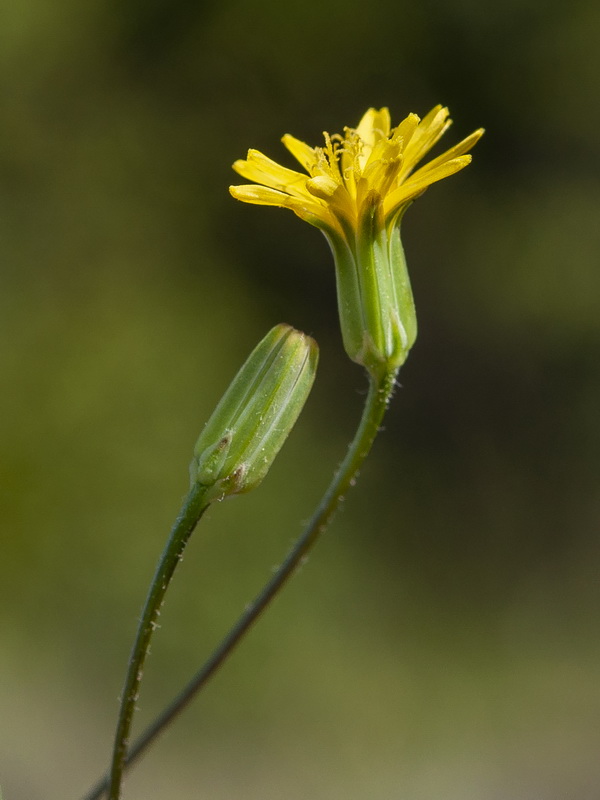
<point x="192" y="509"/>
<point x="380" y="392"/>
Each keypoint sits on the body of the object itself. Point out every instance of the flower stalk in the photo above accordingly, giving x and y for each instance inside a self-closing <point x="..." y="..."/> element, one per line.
<point x="194" y="505"/>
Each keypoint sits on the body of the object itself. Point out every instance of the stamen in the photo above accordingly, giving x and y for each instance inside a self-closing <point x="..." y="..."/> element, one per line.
<point x="350" y="150"/>
<point x="322" y="164"/>
<point x="331" y="151"/>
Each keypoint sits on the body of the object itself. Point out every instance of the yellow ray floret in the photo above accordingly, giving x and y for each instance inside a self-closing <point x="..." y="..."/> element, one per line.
<point x="372" y="164"/>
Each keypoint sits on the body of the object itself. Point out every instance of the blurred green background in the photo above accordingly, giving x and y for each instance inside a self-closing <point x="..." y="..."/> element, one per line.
<point x="443" y="641"/>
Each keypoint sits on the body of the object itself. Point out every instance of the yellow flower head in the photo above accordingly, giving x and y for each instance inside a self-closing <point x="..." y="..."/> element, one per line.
<point x="356" y="189"/>
<point x="370" y="164"/>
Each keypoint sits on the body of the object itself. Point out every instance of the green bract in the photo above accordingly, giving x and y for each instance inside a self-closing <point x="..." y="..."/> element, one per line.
<point x="250" y="424"/>
<point x="375" y="301"/>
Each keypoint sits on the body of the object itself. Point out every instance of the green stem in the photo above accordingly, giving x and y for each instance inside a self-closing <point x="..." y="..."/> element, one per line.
<point x="192" y="509"/>
<point x="380" y="392"/>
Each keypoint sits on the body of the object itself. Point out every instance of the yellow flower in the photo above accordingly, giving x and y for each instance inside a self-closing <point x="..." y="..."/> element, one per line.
<point x="356" y="189"/>
<point x="344" y="174"/>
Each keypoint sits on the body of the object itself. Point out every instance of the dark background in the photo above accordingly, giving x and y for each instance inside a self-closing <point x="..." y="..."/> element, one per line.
<point x="443" y="641"/>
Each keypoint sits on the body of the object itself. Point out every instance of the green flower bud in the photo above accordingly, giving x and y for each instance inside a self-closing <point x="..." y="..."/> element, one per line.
<point x="250" y="424"/>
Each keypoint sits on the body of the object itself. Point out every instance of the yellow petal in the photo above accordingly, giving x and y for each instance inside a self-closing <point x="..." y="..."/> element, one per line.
<point x="302" y="152"/>
<point x="426" y="134"/>
<point x="374" y="125"/>
<point x="453" y="152"/>
<point x="381" y="174"/>
<point x="263" y="196"/>
<point x="435" y="117"/>
<point x="406" y="129"/>
<point x="411" y="188"/>
<point x="260" y="195"/>
<point x="260" y="169"/>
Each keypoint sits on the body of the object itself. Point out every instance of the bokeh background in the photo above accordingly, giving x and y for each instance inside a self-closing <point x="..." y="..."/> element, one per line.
<point x="443" y="641"/>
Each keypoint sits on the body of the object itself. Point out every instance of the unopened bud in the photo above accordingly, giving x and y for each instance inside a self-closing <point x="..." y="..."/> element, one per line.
<point x="250" y="424"/>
